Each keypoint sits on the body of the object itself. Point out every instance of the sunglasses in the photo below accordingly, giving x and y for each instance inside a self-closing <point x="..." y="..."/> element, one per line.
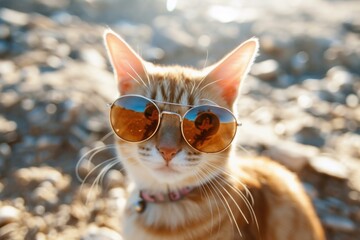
<point x="205" y="128"/>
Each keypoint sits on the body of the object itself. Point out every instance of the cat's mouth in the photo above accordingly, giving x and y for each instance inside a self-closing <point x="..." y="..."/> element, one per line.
<point x="167" y="170"/>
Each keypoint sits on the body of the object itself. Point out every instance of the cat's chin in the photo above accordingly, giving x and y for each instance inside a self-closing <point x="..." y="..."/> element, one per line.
<point x="168" y="174"/>
<point x="166" y="170"/>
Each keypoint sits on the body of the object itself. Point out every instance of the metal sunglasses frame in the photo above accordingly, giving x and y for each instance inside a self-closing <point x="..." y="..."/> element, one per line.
<point x="181" y="118"/>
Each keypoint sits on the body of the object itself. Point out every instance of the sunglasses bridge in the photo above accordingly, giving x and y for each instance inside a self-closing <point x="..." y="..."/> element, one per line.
<point x="171" y="113"/>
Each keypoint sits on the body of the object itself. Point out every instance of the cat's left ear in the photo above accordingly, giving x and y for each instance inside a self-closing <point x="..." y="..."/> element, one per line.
<point x="227" y="74"/>
<point x="128" y="66"/>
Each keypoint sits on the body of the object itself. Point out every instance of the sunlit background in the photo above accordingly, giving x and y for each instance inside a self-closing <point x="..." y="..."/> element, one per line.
<point x="299" y="106"/>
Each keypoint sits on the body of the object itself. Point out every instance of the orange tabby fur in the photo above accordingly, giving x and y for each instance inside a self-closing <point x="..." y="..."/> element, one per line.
<point x="234" y="197"/>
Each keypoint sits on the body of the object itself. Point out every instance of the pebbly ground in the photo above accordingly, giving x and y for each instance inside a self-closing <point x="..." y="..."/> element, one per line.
<point x="300" y="105"/>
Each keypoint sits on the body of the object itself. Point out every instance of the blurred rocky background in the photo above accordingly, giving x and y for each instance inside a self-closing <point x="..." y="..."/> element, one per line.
<point x="300" y="105"/>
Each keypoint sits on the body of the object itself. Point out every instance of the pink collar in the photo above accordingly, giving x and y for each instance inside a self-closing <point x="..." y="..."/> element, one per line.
<point x="171" y="196"/>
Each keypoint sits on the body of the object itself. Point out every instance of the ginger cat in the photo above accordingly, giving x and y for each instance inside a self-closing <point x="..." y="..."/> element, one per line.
<point x="174" y="126"/>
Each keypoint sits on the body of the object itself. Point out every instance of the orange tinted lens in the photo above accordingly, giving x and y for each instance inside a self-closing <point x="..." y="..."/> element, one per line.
<point x="134" y="118"/>
<point x="209" y="129"/>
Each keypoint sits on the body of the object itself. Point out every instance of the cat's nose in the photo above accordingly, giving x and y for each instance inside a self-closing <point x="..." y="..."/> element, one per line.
<point x="168" y="153"/>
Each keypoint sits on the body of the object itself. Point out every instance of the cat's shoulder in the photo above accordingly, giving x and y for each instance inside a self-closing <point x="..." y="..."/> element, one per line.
<point x="278" y="197"/>
<point x="263" y="172"/>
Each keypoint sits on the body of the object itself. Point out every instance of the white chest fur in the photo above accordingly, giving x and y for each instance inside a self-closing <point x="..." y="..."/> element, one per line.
<point x="169" y="220"/>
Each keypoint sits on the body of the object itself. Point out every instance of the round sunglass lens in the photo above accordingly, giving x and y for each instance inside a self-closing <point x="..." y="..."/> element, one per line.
<point x="134" y="118"/>
<point x="209" y="129"/>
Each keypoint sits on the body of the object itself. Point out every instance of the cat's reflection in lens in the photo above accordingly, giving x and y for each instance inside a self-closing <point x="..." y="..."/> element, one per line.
<point x="152" y="116"/>
<point x="208" y="124"/>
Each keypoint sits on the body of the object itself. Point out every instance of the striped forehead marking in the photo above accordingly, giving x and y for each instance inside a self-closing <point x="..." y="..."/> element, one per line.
<point x="173" y="92"/>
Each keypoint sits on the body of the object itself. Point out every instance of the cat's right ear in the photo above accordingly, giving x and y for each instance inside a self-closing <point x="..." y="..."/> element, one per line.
<point x="227" y="74"/>
<point x="129" y="67"/>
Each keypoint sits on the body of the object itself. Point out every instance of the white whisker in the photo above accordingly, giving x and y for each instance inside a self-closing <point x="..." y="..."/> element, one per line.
<point x="225" y="204"/>
<point x="133" y="78"/>
<point x="146" y="74"/>
<point x="110" y="162"/>
<point x="216" y="203"/>
<point x="235" y="179"/>
<point x="103" y="139"/>
<point x="143" y="82"/>
<point x="105" y="170"/>
<point x="246" y="201"/>
<point x="233" y="199"/>
<point x="213" y="82"/>
<point x="239" y="193"/>
<point x="244" y="149"/>
<point x="195" y="86"/>
<point x="93" y="152"/>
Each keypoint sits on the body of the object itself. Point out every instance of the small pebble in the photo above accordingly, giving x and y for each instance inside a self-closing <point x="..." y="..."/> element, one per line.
<point x="9" y="214"/>
<point x="51" y="108"/>
<point x="84" y="169"/>
<point x="14" y="17"/>
<point x="48" y="142"/>
<point x="329" y="166"/>
<point x="94" y="233"/>
<point x="39" y="210"/>
<point x="9" y="99"/>
<point x="311" y="190"/>
<point x="338" y="223"/>
<point x="310" y="136"/>
<point x="113" y="179"/>
<point x="353" y="26"/>
<point x="92" y="57"/>
<point x="6" y="67"/>
<point x="352" y="101"/>
<point x="45" y="195"/>
<point x="40" y="175"/>
<point x="38" y="223"/>
<point x="4" y="47"/>
<point x="299" y="62"/>
<point x="4" y="31"/>
<point x="62" y="17"/>
<point x="95" y="124"/>
<point x="5" y="149"/>
<point x="79" y="211"/>
<point x="7" y="126"/>
<point x="305" y="101"/>
<point x="291" y="154"/>
<point x="267" y="70"/>
<point x="338" y="78"/>
<point x="49" y="42"/>
<point x="28" y="104"/>
<point x="10" y="231"/>
<point x="40" y="236"/>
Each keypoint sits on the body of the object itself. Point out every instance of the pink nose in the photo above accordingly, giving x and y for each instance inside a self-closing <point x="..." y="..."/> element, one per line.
<point x="168" y="153"/>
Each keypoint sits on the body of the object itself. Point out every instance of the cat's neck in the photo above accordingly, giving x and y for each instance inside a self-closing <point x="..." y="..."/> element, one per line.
<point x="141" y="181"/>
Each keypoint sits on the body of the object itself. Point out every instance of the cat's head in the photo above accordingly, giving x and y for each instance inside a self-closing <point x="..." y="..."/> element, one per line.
<point x="166" y="160"/>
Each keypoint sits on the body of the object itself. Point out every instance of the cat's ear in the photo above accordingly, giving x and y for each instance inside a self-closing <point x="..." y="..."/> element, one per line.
<point x="128" y="66"/>
<point x="227" y="74"/>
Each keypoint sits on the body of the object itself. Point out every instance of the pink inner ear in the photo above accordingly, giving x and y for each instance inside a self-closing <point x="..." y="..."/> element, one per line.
<point x="125" y="86"/>
<point x="230" y="94"/>
<point x="126" y="63"/>
<point x="227" y="77"/>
